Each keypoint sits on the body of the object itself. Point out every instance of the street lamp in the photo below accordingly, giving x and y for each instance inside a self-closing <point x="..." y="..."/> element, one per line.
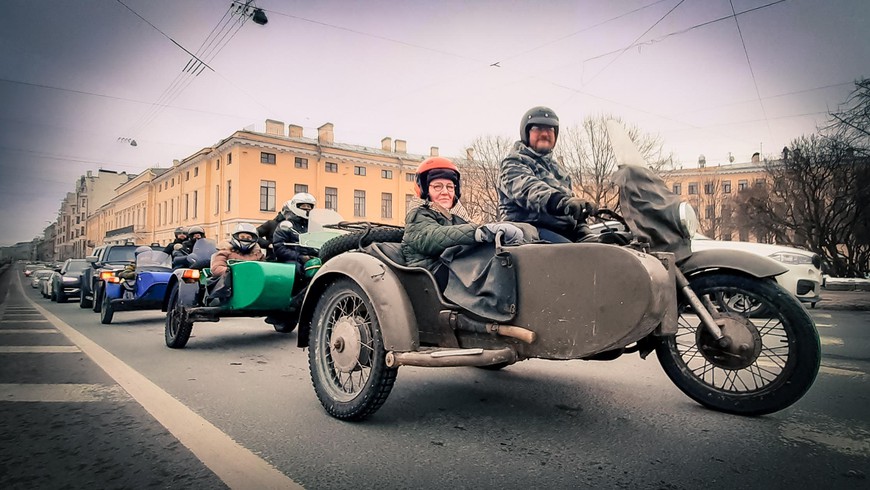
<point x="250" y="9"/>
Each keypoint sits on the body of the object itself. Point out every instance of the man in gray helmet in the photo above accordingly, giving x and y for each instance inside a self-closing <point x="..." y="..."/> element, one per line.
<point x="533" y="188"/>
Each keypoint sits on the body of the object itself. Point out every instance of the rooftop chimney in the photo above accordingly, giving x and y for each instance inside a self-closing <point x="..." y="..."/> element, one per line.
<point x="401" y="146"/>
<point x="274" y="127"/>
<point x="756" y="157"/>
<point x="387" y="144"/>
<point x="295" y="131"/>
<point x="325" y="135"/>
<point x="469" y="153"/>
<point x="433" y="151"/>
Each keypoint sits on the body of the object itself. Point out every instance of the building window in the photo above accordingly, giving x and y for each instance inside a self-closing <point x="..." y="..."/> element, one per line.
<point x="357" y="170"/>
<point x="301" y="163"/>
<point x="195" y="171"/>
<point x="229" y="158"/>
<point x="297" y="188"/>
<point x="267" y="157"/>
<point x="229" y="195"/>
<point x="708" y="188"/>
<point x="386" y="174"/>
<point x="217" y="164"/>
<point x="759" y="182"/>
<point x="331" y="167"/>
<point x="677" y="189"/>
<point x="331" y="199"/>
<point x="410" y="177"/>
<point x="159" y="207"/>
<point x="386" y="205"/>
<point x="726" y="186"/>
<point x="217" y="199"/>
<point x="195" y="203"/>
<point x="409" y="198"/>
<point x="693" y="188"/>
<point x="359" y="203"/>
<point x="267" y="195"/>
<point x="187" y="206"/>
<point x="710" y="212"/>
<point x="187" y="176"/>
<point x="742" y="184"/>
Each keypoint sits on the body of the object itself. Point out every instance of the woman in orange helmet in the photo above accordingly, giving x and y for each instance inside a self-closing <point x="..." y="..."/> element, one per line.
<point x="432" y="227"/>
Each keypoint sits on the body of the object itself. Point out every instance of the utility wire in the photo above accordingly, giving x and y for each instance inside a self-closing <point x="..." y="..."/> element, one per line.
<point x="749" y="62"/>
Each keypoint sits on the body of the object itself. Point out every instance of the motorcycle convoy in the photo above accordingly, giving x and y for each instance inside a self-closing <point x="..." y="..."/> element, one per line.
<point x="362" y="313"/>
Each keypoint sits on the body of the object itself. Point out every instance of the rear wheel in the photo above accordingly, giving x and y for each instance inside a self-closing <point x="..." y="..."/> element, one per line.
<point x="178" y="327"/>
<point x="772" y="361"/>
<point x="106" y="311"/>
<point x="346" y="357"/>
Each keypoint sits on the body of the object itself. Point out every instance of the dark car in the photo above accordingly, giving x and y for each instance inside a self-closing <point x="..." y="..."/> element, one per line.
<point x="67" y="282"/>
<point x="105" y="259"/>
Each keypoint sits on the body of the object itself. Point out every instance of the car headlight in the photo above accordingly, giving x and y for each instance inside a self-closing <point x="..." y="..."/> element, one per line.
<point x="688" y="219"/>
<point x="70" y="279"/>
<point x="791" y="258"/>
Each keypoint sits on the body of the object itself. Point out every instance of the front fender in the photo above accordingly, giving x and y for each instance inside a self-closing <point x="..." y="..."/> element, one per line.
<point x="738" y="260"/>
<point x="386" y="293"/>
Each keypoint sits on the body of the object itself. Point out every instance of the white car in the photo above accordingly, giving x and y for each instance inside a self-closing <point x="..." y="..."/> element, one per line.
<point x="804" y="276"/>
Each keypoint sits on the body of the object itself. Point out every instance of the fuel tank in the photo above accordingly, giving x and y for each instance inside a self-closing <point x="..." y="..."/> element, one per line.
<point x="581" y="299"/>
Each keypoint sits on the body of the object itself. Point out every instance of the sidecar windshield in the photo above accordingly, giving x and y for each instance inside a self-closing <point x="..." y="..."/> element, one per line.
<point x="152" y="260"/>
<point x="319" y="218"/>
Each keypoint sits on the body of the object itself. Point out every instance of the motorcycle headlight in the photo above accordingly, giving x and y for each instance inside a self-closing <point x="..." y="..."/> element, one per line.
<point x="688" y="219"/>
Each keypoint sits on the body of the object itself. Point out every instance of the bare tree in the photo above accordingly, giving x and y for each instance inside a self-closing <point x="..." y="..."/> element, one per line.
<point x="586" y="154"/>
<point x="851" y="123"/>
<point x="480" y="172"/>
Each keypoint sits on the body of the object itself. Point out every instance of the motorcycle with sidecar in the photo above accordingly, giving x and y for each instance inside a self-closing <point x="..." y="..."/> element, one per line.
<point x="256" y="288"/>
<point x="144" y="292"/>
<point x="365" y="314"/>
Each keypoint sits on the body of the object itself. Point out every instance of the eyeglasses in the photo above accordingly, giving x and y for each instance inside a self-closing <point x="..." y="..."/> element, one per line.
<point x="441" y="187"/>
<point x="544" y="129"/>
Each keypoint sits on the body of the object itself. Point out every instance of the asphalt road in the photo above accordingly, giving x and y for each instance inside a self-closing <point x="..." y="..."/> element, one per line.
<point x="537" y="424"/>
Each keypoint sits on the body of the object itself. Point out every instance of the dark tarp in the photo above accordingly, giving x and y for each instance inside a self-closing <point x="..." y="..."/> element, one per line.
<point x="481" y="281"/>
<point x="651" y="210"/>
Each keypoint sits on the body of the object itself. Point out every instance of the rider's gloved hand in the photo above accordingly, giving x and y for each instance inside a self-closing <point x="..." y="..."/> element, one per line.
<point x="579" y="209"/>
<point x="487" y="232"/>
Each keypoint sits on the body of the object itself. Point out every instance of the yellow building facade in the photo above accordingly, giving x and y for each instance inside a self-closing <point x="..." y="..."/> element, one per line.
<point x="711" y="191"/>
<point x="247" y="176"/>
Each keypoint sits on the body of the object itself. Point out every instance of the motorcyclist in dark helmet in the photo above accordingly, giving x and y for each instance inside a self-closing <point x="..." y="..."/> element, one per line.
<point x="241" y="246"/>
<point x="532" y="186"/>
<point x="180" y="237"/>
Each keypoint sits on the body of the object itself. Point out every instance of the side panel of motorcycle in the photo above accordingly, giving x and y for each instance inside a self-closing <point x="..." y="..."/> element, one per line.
<point x="581" y="299"/>
<point x="262" y="285"/>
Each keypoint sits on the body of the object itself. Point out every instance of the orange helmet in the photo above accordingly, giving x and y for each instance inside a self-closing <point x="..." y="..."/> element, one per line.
<point x="436" y="168"/>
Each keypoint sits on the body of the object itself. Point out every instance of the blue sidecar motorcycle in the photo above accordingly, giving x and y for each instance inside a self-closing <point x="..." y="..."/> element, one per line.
<point x="144" y="292"/>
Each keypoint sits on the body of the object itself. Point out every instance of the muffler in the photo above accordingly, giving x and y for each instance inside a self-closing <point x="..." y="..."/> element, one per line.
<point x="452" y="357"/>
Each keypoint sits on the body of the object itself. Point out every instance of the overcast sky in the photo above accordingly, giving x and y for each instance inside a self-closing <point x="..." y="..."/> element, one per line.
<point x="78" y="79"/>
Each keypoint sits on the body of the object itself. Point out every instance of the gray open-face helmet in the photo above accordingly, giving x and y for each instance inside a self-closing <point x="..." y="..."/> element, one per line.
<point x="538" y="116"/>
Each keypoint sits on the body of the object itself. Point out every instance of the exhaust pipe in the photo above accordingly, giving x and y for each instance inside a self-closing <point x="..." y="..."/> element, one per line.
<point x="458" y="321"/>
<point x="452" y="357"/>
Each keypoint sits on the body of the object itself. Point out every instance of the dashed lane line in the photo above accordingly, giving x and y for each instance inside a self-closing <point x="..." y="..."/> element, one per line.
<point x="38" y="349"/>
<point x="63" y="393"/>
<point x="28" y="330"/>
<point x="237" y="466"/>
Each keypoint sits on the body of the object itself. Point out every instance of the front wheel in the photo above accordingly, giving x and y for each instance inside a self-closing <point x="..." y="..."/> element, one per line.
<point x="97" y="298"/>
<point x="84" y="302"/>
<point x="773" y="358"/>
<point x="346" y="357"/>
<point x="178" y="327"/>
<point x="107" y="311"/>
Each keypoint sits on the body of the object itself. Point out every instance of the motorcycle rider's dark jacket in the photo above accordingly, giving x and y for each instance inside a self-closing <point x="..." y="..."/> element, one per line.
<point x="530" y="188"/>
<point x="171" y="247"/>
<point x="265" y="232"/>
<point x="429" y="231"/>
<point x="288" y="231"/>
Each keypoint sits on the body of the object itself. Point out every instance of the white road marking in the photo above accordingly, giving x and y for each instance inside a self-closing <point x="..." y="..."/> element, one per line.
<point x="237" y="466"/>
<point x="22" y="321"/>
<point x="840" y="372"/>
<point x="825" y="325"/>
<point x="28" y="330"/>
<point x="38" y="349"/>
<point x="830" y="340"/>
<point x="62" y="393"/>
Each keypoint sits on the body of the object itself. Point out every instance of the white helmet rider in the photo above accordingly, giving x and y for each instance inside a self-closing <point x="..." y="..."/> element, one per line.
<point x="299" y="205"/>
